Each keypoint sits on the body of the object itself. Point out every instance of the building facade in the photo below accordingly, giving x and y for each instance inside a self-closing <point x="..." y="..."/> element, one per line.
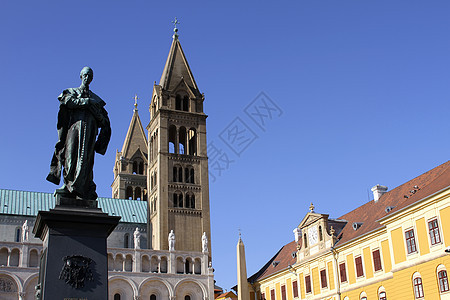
<point x="392" y="247"/>
<point x="161" y="248"/>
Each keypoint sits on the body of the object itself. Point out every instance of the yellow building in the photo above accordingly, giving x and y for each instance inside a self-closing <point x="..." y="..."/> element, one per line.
<point x="392" y="247"/>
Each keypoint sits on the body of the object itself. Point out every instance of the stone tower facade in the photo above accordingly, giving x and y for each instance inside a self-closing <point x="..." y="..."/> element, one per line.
<point x="177" y="179"/>
<point x="130" y="167"/>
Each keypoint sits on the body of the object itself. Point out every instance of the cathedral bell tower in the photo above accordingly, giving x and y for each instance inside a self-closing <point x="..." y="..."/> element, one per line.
<point x="177" y="178"/>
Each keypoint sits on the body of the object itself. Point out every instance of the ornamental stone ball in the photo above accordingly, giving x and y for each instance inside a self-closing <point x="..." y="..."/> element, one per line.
<point x="81" y="115"/>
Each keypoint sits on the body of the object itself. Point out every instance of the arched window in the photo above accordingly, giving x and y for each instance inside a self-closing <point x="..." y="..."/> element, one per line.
<point x="126" y="240"/>
<point x="363" y="296"/>
<point x="178" y="102"/>
<point x="141" y="168"/>
<point x="135" y="167"/>
<point x="417" y="285"/>
<point x="129" y="193"/>
<point x="117" y="296"/>
<point x="187" y="297"/>
<point x="186" y="175"/>
<point x="153" y="297"/>
<point x="305" y="241"/>
<point x="320" y="233"/>
<point x="382" y="293"/>
<point x="187" y="266"/>
<point x="190" y="200"/>
<point x="18" y="235"/>
<point x="442" y="278"/>
<point x="186" y="103"/>
<point x="177" y="199"/>
<point x="192" y="176"/>
<point x="175" y="174"/>
<point x="172" y="139"/>
<point x="137" y="194"/>
<point x="182" y="140"/>
<point x="33" y="259"/>
<point x="192" y="140"/>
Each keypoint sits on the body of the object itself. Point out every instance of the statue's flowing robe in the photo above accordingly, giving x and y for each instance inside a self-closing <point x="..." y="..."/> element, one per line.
<point x="78" y="124"/>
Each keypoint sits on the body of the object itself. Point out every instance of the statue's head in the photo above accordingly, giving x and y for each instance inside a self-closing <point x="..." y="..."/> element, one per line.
<point x="86" y="75"/>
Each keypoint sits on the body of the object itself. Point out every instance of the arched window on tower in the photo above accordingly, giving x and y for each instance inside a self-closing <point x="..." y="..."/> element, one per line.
<point x="192" y="176"/>
<point x="182" y="140"/>
<point x="177" y="199"/>
<point x="186" y="103"/>
<point x="178" y="102"/>
<point x="320" y="233"/>
<point x="153" y="297"/>
<point x="172" y="139"/>
<point x="129" y="193"/>
<point x="189" y="175"/>
<point x="187" y="297"/>
<point x="117" y="296"/>
<point x="192" y="140"/>
<point x="175" y="173"/>
<point x="135" y="167"/>
<point x="137" y="194"/>
<point x="305" y="241"/>
<point x="186" y="175"/>
<point x="190" y="200"/>
<point x="141" y="168"/>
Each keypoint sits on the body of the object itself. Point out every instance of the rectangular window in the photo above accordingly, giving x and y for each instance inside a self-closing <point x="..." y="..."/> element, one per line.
<point x="323" y="278"/>
<point x="308" y="284"/>
<point x="433" y="229"/>
<point x="376" y="260"/>
<point x="295" y="289"/>
<point x="283" y="292"/>
<point x="443" y="281"/>
<point x="342" y="272"/>
<point x="272" y="294"/>
<point x="359" y="267"/>
<point x="410" y="241"/>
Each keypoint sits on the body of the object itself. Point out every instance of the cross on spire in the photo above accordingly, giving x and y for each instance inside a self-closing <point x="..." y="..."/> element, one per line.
<point x="175" y="29"/>
<point x="135" y="101"/>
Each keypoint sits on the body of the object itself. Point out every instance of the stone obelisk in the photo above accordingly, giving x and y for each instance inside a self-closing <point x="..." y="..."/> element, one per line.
<point x="243" y="293"/>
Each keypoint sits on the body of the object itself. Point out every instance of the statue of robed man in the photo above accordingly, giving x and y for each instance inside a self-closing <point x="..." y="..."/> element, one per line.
<point x="81" y="115"/>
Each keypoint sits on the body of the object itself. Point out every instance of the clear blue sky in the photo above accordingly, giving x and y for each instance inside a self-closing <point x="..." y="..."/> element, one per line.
<point x="363" y="87"/>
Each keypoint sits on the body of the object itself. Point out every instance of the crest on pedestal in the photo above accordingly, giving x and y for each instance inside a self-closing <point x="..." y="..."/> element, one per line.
<point x="76" y="270"/>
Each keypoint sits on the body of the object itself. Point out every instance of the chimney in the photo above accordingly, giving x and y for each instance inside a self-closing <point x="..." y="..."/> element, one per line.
<point x="378" y="190"/>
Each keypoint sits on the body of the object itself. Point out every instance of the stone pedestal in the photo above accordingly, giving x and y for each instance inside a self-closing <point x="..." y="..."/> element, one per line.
<point x="74" y="260"/>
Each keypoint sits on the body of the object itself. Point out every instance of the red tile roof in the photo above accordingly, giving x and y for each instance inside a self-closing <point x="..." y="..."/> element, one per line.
<point x="229" y="294"/>
<point x="368" y="214"/>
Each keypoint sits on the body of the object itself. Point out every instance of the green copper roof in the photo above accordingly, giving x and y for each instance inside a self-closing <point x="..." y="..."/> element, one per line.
<point x="24" y="203"/>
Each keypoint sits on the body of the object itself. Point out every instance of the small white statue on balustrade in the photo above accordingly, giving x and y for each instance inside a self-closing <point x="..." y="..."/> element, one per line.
<point x="137" y="239"/>
<point x="204" y="243"/>
<point x="25" y="230"/>
<point x="171" y="241"/>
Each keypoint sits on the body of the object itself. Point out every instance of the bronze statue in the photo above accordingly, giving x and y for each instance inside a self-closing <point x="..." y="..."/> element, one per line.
<point x="81" y="114"/>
